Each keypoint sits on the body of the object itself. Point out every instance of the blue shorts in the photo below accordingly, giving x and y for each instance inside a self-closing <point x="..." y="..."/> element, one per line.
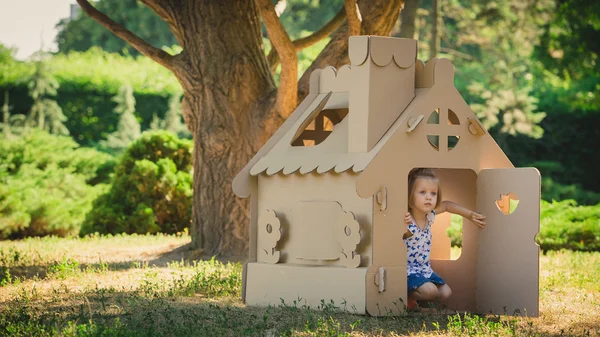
<point x="417" y="280"/>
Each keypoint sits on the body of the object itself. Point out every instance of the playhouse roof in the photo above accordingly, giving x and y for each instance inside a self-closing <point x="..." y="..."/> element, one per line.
<point x="396" y="91"/>
<point x="332" y="153"/>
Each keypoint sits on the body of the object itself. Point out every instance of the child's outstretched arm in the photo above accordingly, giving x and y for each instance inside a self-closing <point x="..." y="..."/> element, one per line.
<point x="454" y="208"/>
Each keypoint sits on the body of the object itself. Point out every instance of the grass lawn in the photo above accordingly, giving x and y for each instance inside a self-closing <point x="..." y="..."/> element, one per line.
<point x="147" y="286"/>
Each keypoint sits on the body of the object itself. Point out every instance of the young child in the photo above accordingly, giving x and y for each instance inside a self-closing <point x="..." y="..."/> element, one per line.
<point x="424" y="202"/>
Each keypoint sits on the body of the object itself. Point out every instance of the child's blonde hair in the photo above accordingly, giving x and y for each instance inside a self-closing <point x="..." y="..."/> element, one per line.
<point x="416" y="173"/>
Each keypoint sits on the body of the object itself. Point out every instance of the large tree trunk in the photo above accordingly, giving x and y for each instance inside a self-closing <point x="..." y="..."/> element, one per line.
<point x="230" y="106"/>
<point x="229" y="95"/>
<point x="230" y="102"/>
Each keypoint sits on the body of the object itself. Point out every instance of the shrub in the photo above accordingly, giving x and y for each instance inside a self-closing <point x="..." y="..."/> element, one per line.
<point x="151" y="189"/>
<point x="564" y="224"/>
<point x="44" y="187"/>
<point x="552" y="190"/>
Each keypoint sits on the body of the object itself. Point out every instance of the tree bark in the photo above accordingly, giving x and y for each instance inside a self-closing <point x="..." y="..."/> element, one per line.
<point x="307" y="41"/>
<point x="408" y="18"/>
<point x="229" y="103"/>
<point x="378" y="18"/>
<point x="353" y="16"/>
<point x="287" y="94"/>
<point x="434" y="43"/>
<point x="230" y="99"/>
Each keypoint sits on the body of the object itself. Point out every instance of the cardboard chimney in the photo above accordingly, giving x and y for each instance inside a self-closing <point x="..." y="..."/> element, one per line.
<point x="329" y="192"/>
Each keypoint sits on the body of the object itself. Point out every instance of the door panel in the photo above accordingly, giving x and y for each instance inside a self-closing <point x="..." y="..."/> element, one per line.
<point x="508" y="257"/>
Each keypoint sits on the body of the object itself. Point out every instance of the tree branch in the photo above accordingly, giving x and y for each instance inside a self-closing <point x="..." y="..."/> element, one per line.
<point x="287" y="93"/>
<point x="164" y="9"/>
<point x="322" y="33"/>
<point x="456" y="53"/>
<point x="354" y="18"/>
<point x="379" y="17"/>
<point x="307" y="41"/>
<point x="158" y="55"/>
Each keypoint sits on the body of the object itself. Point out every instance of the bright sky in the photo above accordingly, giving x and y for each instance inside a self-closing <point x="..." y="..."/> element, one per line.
<point x="26" y="24"/>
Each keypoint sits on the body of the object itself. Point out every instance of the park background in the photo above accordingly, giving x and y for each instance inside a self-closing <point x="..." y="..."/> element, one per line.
<point x="94" y="148"/>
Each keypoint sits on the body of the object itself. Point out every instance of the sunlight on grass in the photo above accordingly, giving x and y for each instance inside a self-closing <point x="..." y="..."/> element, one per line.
<point x="133" y="292"/>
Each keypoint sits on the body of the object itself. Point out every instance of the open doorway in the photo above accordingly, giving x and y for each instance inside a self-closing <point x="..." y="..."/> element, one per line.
<point x="460" y="186"/>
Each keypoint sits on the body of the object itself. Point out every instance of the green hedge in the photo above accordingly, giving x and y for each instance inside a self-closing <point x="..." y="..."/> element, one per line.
<point x="87" y="82"/>
<point x="563" y="225"/>
<point x="47" y="184"/>
<point x="89" y="112"/>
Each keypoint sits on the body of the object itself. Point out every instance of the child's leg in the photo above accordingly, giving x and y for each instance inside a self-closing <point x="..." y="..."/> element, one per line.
<point x="444" y="293"/>
<point x="426" y="292"/>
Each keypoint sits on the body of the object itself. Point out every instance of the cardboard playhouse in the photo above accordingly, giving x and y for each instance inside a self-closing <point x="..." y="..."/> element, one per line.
<point x="328" y="192"/>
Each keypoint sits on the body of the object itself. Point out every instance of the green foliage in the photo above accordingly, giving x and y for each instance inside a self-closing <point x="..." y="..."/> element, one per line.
<point x="567" y="153"/>
<point x="568" y="46"/>
<point x="45" y="113"/>
<point x="64" y="268"/>
<point x="492" y="43"/>
<point x="83" y="33"/>
<point x="454" y="232"/>
<point x="87" y="82"/>
<point x="6" y="115"/>
<point x="552" y="190"/>
<point x="151" y="189"/>
<point x="173" y="119"/>
<point x="6" y="54"/>
<point x="44" y="186"/>
<point x="302" y="17"/>
<point x="128" y="128"/>
<point x="564" y="225"/>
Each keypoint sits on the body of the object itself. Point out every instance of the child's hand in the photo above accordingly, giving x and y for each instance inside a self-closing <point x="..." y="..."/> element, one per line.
<point x="408" y="218"/>
<point x="478" y="219"/>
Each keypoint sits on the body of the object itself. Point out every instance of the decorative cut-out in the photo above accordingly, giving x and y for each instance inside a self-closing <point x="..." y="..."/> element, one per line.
<point x="452" y="141"/>
<point x="507" y="203"/>
<point x="349" y="238"/>
<point x="434" y="118"/>
<point x="453" y="118"/>
<point x="271" y="227"/>
<point x="443" y="117"/>
<point x="317" y="130"/>
<point x="434" y="141"/>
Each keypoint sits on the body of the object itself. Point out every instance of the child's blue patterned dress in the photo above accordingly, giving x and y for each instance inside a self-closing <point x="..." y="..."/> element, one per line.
<point x="418" y="250"/>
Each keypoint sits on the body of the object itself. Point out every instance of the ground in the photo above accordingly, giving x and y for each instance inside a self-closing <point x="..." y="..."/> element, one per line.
<point x="154" y="285"/>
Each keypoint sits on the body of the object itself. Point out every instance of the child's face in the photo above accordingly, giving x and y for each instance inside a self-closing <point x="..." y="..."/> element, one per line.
<point x="425" y="195"/>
